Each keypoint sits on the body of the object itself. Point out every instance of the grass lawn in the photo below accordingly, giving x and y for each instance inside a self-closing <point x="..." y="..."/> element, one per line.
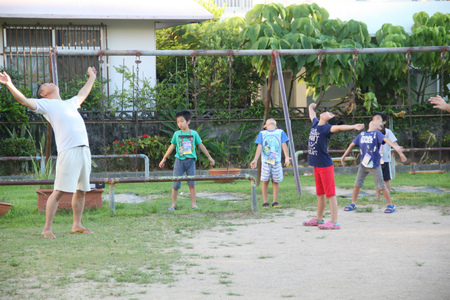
<point x="140" y="243"/>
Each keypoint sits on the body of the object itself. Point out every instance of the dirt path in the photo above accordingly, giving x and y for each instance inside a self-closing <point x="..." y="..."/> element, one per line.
<point x="373" y="256"/>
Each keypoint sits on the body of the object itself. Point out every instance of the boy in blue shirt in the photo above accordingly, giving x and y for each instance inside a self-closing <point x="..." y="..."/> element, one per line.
<point x="319" y="158"/>
<point x="369" y="144"/>
<point x="270" y="142"/>
<point x="185" y="142"/>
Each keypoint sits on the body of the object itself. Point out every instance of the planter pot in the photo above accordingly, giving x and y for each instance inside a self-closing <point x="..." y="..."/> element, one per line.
<point x="4" y="208"/>
<point x="234" y="171"/>
<point x="93" y="199"/>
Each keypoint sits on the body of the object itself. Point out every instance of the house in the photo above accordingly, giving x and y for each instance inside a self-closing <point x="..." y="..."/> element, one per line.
<point x="30" y="28"/>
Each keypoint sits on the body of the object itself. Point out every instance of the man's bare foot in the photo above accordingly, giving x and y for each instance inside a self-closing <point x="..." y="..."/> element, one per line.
<point x="82" y="230"/>
<point x="48" y="235"/>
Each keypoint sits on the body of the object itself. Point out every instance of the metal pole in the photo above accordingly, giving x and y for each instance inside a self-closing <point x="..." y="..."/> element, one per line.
<point x="288" y="123"/>
<point x="253" y="52"/>
<point x="112" y="207"/>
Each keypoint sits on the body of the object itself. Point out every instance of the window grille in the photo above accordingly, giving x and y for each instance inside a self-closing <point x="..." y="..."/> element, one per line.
<point x="26" y="50"/>
<point x="235" y="4"/>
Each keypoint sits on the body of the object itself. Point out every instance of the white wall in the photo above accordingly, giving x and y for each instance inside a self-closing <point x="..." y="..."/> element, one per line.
<point x="131" y="35"/>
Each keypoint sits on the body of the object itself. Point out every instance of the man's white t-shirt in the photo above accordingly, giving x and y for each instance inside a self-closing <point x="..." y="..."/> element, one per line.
<point x="385" y="149"/>
<point x="68" y="125"/>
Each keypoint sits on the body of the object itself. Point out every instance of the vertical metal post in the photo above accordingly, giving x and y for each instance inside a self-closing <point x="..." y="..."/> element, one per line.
<point x="254" y="204"/>
<point x="112" y="207"/>
<point x="288" y="123"/>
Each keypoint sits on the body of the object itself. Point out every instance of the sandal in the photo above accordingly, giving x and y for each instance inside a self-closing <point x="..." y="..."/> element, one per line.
<point x="390" y="209"/>
<point x="171" y="208"/>
<point x="313" y="222"/>
<point x="329" y="225"/>
<point x="350" y="207"/>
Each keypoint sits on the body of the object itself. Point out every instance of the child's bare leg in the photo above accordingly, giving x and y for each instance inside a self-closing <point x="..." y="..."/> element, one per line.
<point x="388" y="186"/>
<point x="355" y="193"/>
<point x="387" y="196"/>
<point x="378" y="196"/>
<point x="193" y="195"/>
<point x="174" y="197"/>
<point x="320" y="207"/>
<point x="276" y="188"/>
<point x="333" y="208"/>
<point x="265" y="190"/>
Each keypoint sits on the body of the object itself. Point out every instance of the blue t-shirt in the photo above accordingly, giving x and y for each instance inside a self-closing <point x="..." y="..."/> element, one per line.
<point x="318" y="155"/>
<point x="369" y="144"/>
<point x="271" y="141"/>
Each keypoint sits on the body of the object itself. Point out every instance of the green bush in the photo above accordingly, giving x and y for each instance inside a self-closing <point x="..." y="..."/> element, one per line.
<point x="153" y="146"/>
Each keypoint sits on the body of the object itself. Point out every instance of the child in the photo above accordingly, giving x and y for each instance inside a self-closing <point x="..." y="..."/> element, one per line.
<point x="270" y="142"/>
<point x="369" y="144"/>
<point x="185" y="142"/>
<point x="320" y="159"/>
<point x="385" y="152"/>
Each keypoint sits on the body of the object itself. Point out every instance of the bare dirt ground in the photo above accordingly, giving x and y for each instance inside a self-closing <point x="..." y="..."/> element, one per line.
<point x="373" y="256"/>
<point x="404" y="255"/>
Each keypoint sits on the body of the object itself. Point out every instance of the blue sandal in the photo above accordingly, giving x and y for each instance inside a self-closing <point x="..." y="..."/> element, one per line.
<point x="171" y="208"/>
<point x="350" y="207"/>
<point x="390" y="209"/>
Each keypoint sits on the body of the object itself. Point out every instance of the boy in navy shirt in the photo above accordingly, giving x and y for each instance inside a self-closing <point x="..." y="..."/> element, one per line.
<point x="270" y="143"/>
<point x="369" y="144"/>
<point x="320" y="159"/>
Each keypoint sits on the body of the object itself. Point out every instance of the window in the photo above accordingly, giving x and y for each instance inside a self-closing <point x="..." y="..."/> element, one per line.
<point x="26" y="50"/>
<point x="234" y="5"/>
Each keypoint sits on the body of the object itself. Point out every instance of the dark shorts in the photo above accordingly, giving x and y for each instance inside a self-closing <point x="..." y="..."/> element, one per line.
<point x="386" y="170"/>
<point x="181" y="166"/>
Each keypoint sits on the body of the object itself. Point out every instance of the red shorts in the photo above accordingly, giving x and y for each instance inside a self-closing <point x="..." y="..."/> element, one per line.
<point x="325" y="181"/>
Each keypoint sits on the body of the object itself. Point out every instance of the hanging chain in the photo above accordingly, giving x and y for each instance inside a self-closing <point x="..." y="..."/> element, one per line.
<point x="194" y="71"/>
<point x="353" y="104"/>
<point x="408" y="61"/>
<point x="230" y="63"/>
<point x="320" y="60"/>
<point x="137" y="61"/>
<point x="100" y="63"/>
<point x="441" y="131"/>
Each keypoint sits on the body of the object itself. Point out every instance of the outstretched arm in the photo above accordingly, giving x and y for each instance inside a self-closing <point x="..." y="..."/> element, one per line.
<point x="6" y="80"/>
<point x="396" y="147"/>
<point x="439" y="103"/>
<point x="257" y="154"/>
<point x="312" y="113"/>
<point x="350" y="147"/>
<point x="86" y="89"/>
<point x="337" y="128"/>
<point x="205" y="151"/>
<point x="287" y="159"/>
<point x="163" y="161"/>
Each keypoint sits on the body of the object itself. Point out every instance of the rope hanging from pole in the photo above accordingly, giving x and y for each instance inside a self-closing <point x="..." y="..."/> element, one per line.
<point x="441" y="130"/>
<point x="408" y="61"/>
<point x="320" y="60"/>
<point x="230" y="63"/>
<point x="137" y="61"/>
<point x="353" y="102"/>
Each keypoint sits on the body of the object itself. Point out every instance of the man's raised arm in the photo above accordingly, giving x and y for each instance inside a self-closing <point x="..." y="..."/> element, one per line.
<point x="6" y="80"/>
<point x="86" y="89"/>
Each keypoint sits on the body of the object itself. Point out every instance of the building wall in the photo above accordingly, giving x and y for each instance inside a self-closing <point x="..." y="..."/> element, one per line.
<point x="120" y="34"/>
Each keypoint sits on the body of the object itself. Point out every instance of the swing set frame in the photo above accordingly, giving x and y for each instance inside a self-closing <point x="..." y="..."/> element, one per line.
<point x="275" y="60"/>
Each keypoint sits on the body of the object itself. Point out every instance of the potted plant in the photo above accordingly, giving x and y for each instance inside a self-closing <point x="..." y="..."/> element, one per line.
<point x="4" y="208"/>
<point x="45" y="171"/>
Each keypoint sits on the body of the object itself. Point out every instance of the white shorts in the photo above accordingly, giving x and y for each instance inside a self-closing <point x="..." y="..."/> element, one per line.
<point x="73" y="168"/>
